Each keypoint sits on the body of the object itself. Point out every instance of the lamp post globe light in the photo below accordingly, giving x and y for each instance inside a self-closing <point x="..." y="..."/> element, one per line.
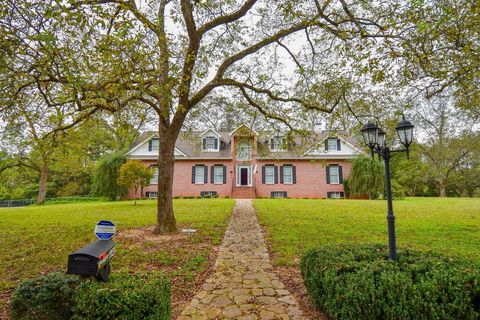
<point x="375" y="138"/>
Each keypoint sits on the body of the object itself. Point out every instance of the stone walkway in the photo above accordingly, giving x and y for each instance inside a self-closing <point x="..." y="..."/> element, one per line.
<point x="243" y="285"/>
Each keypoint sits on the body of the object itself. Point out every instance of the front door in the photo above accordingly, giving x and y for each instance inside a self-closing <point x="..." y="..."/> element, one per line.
<point x="244" y="176"/>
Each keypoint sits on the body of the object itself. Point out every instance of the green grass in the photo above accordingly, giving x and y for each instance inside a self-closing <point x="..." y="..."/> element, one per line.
<point x="38" y="239"/>
<point x="447" y="226"/>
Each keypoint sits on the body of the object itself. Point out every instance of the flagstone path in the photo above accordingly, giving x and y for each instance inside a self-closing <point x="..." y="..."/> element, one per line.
<point x="243" y="285"/>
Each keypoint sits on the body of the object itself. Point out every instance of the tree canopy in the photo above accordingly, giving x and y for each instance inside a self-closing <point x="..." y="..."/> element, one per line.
<point x="280" y="58"/>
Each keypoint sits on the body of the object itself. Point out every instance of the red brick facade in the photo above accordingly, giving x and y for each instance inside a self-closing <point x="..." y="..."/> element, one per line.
<point x="307" y="177"/>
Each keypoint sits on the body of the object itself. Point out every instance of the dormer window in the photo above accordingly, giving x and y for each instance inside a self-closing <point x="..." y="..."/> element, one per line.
<point x="276" y="143"/>
<point x="332" y="144"/>
<point x="210" y="144"/>
<point x="153" y="144"/>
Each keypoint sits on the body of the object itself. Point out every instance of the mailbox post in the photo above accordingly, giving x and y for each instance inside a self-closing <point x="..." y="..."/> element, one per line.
<point x="94" y="259"/>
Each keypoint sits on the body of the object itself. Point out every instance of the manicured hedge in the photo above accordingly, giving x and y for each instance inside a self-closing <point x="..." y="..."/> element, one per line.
<point x="47" y="297"/>
<point x="125" y="297"/>
<point x="359" y="282"/>
<point x="59" y="296"/>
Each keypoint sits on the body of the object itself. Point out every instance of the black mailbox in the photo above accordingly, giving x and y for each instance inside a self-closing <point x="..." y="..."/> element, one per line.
<point x="92" y="260"/>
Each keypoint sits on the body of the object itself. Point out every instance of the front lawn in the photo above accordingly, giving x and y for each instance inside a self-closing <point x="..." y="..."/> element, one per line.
<point x="448" y="226"/>
<point x="38" y="239"/>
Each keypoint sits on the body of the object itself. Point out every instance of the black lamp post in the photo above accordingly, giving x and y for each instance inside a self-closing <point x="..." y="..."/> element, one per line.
<point x="374" y="137"/>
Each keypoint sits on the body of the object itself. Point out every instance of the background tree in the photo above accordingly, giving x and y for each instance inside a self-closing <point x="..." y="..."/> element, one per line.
<point x="105" y="179"/>
<point x="448" y="138"/>
<point x="367" y="177"/>
<point x="134" y="174"/>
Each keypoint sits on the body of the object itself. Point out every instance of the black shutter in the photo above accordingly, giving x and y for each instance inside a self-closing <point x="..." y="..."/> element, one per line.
<point x="263" y="174"/>
<point x="328" y="174"/>
<point x="281" y="174"/>
<point x="329" y="194"/>
<point x="338" y="145"/>
<point x="275" y="173"/>
<point x="212" y="178"/>
<point x="150" y="145"/>
<point x="216" y="144"/>
<point x="205" y="177"/>
<point x="326" y="144"/>
<point x="224" y="174"/>
<point x="193" y="174"/>
<point x="342" y="195"/>
<point x="294" y="174"/>
<point x="204" y="144"/>
<point x="340" y="174"/>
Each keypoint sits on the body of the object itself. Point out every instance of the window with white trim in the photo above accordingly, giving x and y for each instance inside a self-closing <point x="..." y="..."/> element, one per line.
<point x="154" y="179"/>
<point x="244" y="150"/>
<point x="287" y="174"/>
<point x="199" y="174"/>
<point x="152" y="194"/>
<point x="210" y="143"/>
<point x="335" y="195"/>
<point x="276" y="143"/>
<point x="218" y="174"/>
<point x="332" y="144"/>
<point x="334" y="175"/>
<point x="155" y="144"/>
<point x="269" y="175"/>
<point x="278" y="194"/>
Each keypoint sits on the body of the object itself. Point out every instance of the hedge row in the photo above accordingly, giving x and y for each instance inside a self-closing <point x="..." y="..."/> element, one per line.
<point x="59" y="296"/>
<point x="359" y="282"/>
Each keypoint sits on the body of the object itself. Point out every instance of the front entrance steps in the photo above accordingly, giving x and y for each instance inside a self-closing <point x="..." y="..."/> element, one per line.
<point x="243" y="193"/>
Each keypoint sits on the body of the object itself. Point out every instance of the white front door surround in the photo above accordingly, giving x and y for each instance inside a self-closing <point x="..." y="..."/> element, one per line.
<point x="244" y="176"/>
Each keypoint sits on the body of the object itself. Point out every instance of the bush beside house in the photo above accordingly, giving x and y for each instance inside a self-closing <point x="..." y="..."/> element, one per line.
<point x="359" y="282"/>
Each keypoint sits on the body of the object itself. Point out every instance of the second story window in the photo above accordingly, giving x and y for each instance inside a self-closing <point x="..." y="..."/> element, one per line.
<point x="153" y="145"/>
<point x="244" y="150"/>
<point x="276" y="143"/>
<point x="332" y="144"/>
<point x="210" y="144"/>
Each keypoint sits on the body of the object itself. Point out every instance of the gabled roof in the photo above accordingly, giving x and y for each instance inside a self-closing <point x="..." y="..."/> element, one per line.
<point x="189" y="145"/>
<point x="144" y="138"/>
<point x="243" y="126"/>
<point x="204" y="133"/>
<point x="340" y="137"/>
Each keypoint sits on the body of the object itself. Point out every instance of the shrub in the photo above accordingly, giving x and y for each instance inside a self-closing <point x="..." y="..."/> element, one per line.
<point x="359" y="282"/>
<point x="124" y="297"/>
<point x="47" y="297"/>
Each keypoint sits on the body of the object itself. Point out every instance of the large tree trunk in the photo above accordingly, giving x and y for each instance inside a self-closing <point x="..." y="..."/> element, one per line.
<point x="166" y="222"/>
<point x="42" y="184"/>
<point x="441" y="187"/>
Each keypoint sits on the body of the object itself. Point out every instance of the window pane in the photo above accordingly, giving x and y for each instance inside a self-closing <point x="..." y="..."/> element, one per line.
<point x="154" y="144"/>
<point x="199" y="174"/>
<point x="287" y="174"/>
<point x="217" y="174"/>
<point x="244" y="150"/>
<point x="276" y="143"/>
<point x="334" y="175"/>
<point x="332" y="144"/>
<point x="154" y="179"/>
<point x="210" y="143"/>
<point x="269" y="175"/>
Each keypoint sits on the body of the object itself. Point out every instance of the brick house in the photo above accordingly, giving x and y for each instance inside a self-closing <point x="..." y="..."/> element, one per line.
<point x="245" y="164"/>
